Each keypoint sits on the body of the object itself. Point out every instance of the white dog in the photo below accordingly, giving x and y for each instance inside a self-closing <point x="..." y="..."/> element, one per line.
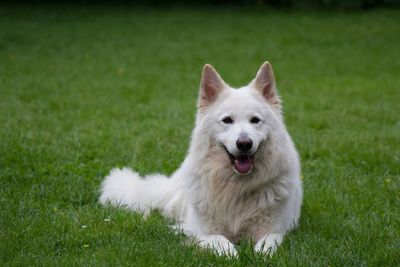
<point x="241" y="176"/>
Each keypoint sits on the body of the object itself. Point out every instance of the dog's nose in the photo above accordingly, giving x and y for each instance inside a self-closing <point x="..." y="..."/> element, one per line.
<point x="244" y="144"/>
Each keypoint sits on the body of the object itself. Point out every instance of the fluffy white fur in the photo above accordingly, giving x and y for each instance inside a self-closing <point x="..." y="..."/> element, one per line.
<point x="210" y="198"/>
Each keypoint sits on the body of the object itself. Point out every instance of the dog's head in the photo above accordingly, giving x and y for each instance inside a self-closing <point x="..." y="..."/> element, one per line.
<point x="239" y="121"/>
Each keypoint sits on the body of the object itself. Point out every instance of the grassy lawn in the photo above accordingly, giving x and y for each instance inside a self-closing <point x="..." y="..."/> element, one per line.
<point x="83" y="90"/>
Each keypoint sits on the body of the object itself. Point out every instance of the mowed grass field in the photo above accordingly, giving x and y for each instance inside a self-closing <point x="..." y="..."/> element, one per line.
<point x="86" y="89"/>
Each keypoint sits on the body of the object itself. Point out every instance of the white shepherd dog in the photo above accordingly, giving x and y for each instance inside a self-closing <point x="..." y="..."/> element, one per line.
<point x="241" y="176"/>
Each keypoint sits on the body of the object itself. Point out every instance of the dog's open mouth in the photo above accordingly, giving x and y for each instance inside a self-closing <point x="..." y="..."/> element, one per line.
<point x="241" y="163"/>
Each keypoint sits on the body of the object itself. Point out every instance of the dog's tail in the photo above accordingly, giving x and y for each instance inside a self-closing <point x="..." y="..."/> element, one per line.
<point x="125" y="187"/>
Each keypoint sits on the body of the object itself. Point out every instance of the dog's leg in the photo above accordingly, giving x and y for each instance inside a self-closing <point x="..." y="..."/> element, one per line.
<point x="194" y="226"/>
<point x="218" y="243"/>
<point x="269" y="243"/>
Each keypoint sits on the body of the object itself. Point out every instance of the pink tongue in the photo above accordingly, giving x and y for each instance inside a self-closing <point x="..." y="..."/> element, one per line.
<point x="243" y="164"/>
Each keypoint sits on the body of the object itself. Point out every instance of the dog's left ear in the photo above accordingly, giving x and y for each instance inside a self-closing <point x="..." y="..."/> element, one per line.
<point x="265" y="84"/>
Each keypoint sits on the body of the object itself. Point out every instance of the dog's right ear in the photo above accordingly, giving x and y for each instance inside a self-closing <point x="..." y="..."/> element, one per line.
<point x="211" y="86"/>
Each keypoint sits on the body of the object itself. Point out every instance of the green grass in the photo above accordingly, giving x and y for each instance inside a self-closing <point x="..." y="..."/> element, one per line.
<point x="83" y="90"/>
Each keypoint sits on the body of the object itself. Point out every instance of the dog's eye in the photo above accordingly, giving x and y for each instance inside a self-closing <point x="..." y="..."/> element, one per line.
<point x="227" y="120"/>
<point x="255" y="120"/>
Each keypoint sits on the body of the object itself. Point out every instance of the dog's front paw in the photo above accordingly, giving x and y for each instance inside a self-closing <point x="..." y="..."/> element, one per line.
<point x="269" y="243"/>
<point x="219" y="244"/>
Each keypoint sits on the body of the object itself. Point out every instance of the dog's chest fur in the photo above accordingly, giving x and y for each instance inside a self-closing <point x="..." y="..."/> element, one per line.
<point x="239" y="208"/>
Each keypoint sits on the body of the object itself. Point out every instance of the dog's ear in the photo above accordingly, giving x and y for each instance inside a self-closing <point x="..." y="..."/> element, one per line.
<point x="211" y="86"/>
<point x="265" y="84"/>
